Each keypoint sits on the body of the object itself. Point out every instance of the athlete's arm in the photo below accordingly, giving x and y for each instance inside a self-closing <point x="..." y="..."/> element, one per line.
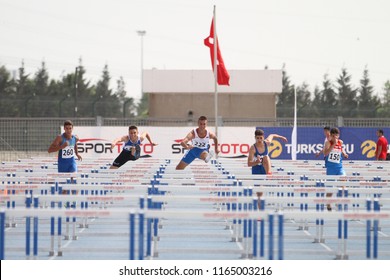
<point x="272" y="136"/>
<point x="147" y="136"/>
<point x="118" y="140"/>
<point x="184" y="142"/>
<point x="328" y="147"/>
<point x="345" y="155"/>
<point x="56" y="145"/>
<point x="76" y="150"/>
<point x="251" y="156"/>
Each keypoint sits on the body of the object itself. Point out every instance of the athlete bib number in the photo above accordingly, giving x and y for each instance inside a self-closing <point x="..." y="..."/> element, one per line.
<point x="68" y="152"/>
<point x="334" y="157"/>
<point x="260" y="158"/>
<point x="201" y="145"/>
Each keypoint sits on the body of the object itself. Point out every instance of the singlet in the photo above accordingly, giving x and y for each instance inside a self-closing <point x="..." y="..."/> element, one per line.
<point x="67" y="154"/>
<point x="259" y="168"/>
<point x="127" y="146"/>
<point x="201" y="143"/>
<point x="334" y="159"/>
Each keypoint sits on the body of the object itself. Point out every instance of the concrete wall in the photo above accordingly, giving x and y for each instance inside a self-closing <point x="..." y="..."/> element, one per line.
<point x="231" y="105"/>
<point x="174" y="93"/>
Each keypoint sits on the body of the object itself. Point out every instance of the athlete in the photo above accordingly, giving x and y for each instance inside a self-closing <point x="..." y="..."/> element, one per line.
<point x="131" y="147"/>
<point x="258" y="157"/>
<point x="66" y="146"/>
<point x="200" y="144"/>
<point x="334" y="153"/>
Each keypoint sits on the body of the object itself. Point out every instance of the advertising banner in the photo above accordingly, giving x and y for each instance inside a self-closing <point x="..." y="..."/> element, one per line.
<point x="234" y="142"/>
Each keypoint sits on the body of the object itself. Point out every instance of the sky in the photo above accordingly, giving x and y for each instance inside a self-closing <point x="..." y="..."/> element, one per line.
<point x="310" y="38"/>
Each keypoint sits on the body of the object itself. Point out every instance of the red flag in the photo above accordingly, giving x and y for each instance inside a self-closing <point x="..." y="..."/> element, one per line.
<point x="222" y="73"/>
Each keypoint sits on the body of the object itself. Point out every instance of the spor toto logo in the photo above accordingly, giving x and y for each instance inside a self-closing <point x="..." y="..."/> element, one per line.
<point x="368" y="148"/>
<point x="275" y="149"/>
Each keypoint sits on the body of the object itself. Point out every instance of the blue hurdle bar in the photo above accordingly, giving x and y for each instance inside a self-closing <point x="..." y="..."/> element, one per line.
<point x="28" y="227"/>
<point x="368" y="231"/>
<point x="132" y="236"/>
<point x="35" y="227"/>
<point x="2" y="234"/>
<point x="376" y="228"/>
<point x="271" y="237"/>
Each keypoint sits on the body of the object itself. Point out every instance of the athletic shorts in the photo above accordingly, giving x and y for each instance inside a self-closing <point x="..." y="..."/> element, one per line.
<point x="192" y="154"/>
<point x="258" y="169"/>
<point x="67" y="167"/>
<point x="335" y="171"/>
<point x="126" y="155"/>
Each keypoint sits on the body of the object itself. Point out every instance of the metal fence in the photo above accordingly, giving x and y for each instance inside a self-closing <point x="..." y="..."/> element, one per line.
<point x="27" y="137"/>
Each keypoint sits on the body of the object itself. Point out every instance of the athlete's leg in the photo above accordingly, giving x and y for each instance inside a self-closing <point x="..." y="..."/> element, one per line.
<point x="267" y="164"/>
<point x="181" y="165"/>
<point x="123" y="157"/>
<point x="189" y="156"/>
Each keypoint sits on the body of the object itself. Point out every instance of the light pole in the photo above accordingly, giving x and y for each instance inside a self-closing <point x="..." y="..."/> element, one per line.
<point x="26" y="103"/>
<point x="142" y="33"/>
<point x="94" y="103"/>
<point x="76" y="89"/>
<point x="125" y="105"/>
<point x="59" y="104"/>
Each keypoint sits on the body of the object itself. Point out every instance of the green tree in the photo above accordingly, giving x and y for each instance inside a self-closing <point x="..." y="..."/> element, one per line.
<point x="347" y="99"/>
<point x="143" y="106"/>
<point x="129" y="107"/>
<point x="82" y="92"/>
<point x="285" y="104"/>
<point x="304" y="104"/>
<point x="384" y="110"/>
<point x="317" y="103"/>
<point x="41" y="104"/>
<point x="328" y="98"/>
<point x="7" y="92"/>
<point x="105" y="103"/>
<point x="367" y="103"/>
<point x="24" y="85"/>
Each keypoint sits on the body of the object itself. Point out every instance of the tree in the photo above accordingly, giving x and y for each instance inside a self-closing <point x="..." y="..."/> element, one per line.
<point x="347" y="100"/>
<point x="384" y="110"/>
<point x="304" y="108"/>
<point x="105" y="103"/>
<point x="285" y="104"/>
<point x="367" y="103"/>
<point x="316" y="103"/>
<point x="41" y="100"/>
<point x="328" y="98"/>
<point x="23" y="83"/>
<point x="128" y="103"/>
<point x="143" y="106"/>
<point x="7" y="91"/>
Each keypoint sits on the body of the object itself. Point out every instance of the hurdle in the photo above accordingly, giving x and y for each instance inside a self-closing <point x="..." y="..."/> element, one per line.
<point x="164" y="190"/>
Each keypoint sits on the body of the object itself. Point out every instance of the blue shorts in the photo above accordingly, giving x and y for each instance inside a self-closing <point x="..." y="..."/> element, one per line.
<point x="67" y="167"/>
<point x="335" y="171"/>
<point x="192" y="154"/>
<point x="258" y="169"/>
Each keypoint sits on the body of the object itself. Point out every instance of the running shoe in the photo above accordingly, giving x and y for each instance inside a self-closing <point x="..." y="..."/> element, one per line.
<point x="137" y="152"/>
<point x="209" y="156"/>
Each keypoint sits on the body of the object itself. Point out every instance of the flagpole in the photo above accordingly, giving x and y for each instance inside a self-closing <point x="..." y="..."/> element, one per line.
<point x="295" y="132"/>
<point x="215" y="73"/>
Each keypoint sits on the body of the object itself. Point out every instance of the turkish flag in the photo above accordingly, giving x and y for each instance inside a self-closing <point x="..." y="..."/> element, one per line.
<point x="223" y="75"/>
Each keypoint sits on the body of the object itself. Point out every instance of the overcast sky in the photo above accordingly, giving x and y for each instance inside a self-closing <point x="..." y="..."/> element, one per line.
<point x="310" y="37"/>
